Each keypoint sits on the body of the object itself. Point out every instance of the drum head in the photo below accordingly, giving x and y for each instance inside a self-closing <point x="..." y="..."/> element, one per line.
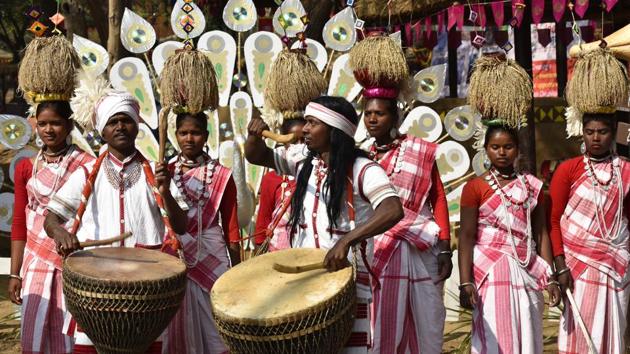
<point x="254" y="291"/>
<point x="127" y="264"/>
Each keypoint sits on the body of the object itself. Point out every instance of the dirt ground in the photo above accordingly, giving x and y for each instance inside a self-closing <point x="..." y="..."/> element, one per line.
<point x="455" y="333"/>
<point x="9" y="329"/>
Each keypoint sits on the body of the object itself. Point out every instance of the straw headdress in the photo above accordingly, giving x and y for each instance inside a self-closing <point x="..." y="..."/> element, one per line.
<point x="379" y="65"/>
<point x="501" y="91"/>
<point x="291" y="84"/>
<point x="188" y="83"/>
<point x="47" y="71"/>
<point x="599" y="84"/>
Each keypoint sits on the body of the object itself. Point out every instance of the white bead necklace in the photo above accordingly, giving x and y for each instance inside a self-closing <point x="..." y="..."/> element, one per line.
<point x="527" y="203"/>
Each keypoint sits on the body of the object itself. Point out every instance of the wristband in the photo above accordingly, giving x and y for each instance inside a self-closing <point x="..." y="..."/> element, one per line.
<point x="562" y="271"/>
<point x="463" y="285"/>
<point x="15" y="277"/>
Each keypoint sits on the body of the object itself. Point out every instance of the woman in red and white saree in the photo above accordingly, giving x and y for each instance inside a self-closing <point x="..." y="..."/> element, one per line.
<point x="35" y="280"/>
<point x="505" y="256"/>
<point x="412" y="259"/>
<point x="211" y="244"/>
<point x="589" y="234"/>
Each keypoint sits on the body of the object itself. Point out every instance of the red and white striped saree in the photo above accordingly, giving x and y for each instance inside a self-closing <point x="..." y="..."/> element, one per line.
<point x="599" y="266"/>
<point x="408" y="311"/>
<point x="508" y="317"/>
<point x="43" y="307"/>
<point x="192" y="330"/>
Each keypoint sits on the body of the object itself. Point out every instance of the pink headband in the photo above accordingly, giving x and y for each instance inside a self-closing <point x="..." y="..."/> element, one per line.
<point x="330" y="117"/>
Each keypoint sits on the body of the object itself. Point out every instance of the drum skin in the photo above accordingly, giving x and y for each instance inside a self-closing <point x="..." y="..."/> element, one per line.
<point x="258" y="309"/>
<point x="123" y="298"/>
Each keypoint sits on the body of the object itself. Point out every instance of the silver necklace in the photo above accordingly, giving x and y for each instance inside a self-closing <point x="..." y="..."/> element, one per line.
<point x="128" y="176"/>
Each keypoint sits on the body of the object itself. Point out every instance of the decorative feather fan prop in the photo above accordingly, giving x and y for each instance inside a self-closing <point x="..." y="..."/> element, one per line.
<point x="89" y="91"/>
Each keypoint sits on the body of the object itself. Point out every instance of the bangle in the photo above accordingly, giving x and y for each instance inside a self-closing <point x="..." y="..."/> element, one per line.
<point x="553" y="282"/>
<point x="463" y="285"/>
<point x="14" y="276"/>
<point x="445" y="252"/>
<point x="562" y="271"/>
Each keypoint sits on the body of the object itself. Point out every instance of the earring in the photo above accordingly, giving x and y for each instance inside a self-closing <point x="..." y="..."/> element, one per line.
<point x="393" y="133"/>
<point x="69" y="139"/>
<point x="583" y="148"/>
<point x="38" y="141"/>
<point x="486" y="163"/>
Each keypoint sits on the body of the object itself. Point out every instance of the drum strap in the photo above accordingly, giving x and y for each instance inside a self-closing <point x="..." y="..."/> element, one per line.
<point x="171" y="239"/>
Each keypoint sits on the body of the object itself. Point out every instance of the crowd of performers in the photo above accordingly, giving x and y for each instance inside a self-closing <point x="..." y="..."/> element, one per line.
<point x="383" y="207"/>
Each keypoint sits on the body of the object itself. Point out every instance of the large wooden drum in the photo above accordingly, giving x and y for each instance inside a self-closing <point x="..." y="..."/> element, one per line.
<point x="259" y="309"/>
<point x="123" y="298"/>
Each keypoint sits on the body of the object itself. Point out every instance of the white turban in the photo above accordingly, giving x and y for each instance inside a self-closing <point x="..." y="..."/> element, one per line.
<point x="113" y="103"/>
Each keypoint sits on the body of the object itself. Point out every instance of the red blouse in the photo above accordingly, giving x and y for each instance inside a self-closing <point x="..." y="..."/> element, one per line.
<point x="560" y="190"/>
<point x="21" y="175"/>
<point x="270" y="198"/>
<point x="229" y="213"/>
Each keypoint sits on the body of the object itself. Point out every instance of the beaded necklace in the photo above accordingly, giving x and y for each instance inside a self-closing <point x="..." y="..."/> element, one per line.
<point x="507" y="202"/>
<point x="609" y="234"/>
<point x="58" y="174"/>
<point x="200" y="195"/>
<point x="395" y="164"/>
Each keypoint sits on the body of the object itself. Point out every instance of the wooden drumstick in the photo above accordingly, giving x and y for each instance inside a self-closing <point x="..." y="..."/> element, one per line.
<point x="106" y="241"/>
<point x="282" y="139"/>
<point x="284" y="268"/>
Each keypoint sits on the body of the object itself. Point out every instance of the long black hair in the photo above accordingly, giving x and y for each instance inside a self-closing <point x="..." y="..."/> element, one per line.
<point x="339" y="165"/>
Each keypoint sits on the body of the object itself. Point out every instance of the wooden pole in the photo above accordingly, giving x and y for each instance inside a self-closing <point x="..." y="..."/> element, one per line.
<point x="113" y="39"/>
<point x="523" y="54"/>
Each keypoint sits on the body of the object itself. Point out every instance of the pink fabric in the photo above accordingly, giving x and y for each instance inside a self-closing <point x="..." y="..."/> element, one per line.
<point x="380" y="92"/>
<point x="210" y="252"/>
<point x="580" y="7"/>
<point x="508" y="317"/>
<point x="610" y="4"/>
<point x="440" y="21"/>
<point x="493" y="241"/>
<point x="455" y="16"/>
<point x="415" y="160"/>
<point x="408" y="310"/>
<point x="417" y="30"/>
<point x="427" y="26"/>
<point x="481" y="14"/>
<point x="43" y="306"/>
<point x="498" y="13"/>
<point x="43" y="309"/>
<point x="602" y="305"/>
<point x="583" y="243"/>
<point x="40" y="191"/>
<point x="538" y="10"/>
<point x="559" y="7"/>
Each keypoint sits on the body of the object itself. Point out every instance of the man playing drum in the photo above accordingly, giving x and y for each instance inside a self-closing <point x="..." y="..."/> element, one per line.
<point x="115" y="194"/>
<point x="336" y="186"/>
